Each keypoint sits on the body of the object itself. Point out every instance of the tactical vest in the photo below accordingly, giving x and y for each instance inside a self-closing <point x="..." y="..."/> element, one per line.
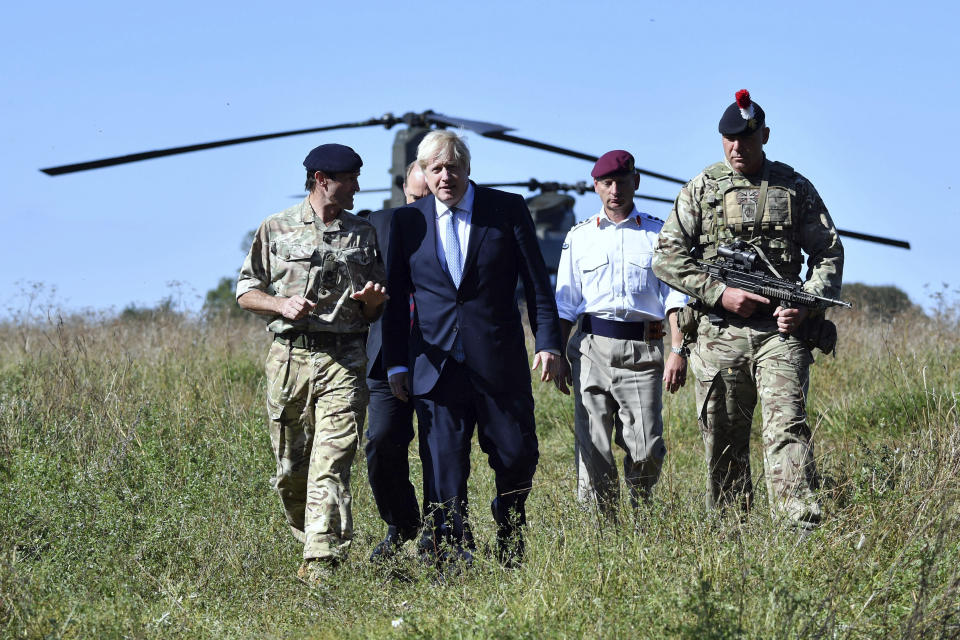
<point x="729" y="209"/>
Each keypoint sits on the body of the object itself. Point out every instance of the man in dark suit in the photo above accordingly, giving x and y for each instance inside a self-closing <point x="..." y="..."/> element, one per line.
<point x="390" y="423"/>
<point x="460" y="252"/>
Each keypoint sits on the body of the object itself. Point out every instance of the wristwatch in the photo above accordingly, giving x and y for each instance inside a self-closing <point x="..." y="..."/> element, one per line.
<point x="683" y="352"/>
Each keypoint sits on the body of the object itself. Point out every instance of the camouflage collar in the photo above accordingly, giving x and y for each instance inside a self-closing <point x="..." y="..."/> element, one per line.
<point x="308" y="215"/>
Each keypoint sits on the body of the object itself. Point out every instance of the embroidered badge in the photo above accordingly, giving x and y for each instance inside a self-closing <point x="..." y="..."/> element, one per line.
<point x="747" y="199"/>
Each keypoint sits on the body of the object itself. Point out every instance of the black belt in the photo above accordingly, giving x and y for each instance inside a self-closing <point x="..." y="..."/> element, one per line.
<point x="316" y="339"/>
<point x="621" y="330"/>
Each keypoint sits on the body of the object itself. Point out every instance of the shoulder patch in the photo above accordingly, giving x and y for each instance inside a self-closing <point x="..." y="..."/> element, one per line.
<point x="290" y="212"/>
<point x="652" y="218"/>
<point x="581" y="223"/>
<point x="716" y="171"/>
<point x="649" y="221"/>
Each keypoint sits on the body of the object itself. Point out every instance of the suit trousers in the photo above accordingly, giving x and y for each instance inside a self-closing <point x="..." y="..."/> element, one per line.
<point x="507" y="434"/>
<point x="618" y="391"/>
<point x="389" y="433"/>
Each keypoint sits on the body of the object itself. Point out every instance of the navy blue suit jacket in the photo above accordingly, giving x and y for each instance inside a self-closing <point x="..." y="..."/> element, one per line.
<point x="502" y="248"/>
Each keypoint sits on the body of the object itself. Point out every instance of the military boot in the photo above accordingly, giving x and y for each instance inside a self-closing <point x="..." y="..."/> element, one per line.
<point x="315" y="572"/>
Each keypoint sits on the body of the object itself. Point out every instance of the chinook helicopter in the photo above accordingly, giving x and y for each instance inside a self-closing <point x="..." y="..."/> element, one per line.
<point x="551" y="210"/>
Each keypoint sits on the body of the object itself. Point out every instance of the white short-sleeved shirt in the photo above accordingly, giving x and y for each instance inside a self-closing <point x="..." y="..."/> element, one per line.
<point x="605" y="270"/>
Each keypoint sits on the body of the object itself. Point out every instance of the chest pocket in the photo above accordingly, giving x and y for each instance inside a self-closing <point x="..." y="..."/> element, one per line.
<point x="593" y="271"/>
<point x="779" y="208"/>
<point x="639" y="272"/>
<point x="293" y="252"/>
<point x="741" y="209"/>
<point x="291" y="270"/>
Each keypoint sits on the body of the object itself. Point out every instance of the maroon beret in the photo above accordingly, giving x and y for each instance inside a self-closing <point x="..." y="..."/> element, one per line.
<point x="613" y="162"/>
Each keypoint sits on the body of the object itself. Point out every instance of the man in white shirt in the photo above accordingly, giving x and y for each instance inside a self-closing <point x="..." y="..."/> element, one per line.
<point x="616" y="354"/>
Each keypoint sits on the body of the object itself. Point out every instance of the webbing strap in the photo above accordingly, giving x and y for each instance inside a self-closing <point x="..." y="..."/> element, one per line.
<point x="761" y="200"/>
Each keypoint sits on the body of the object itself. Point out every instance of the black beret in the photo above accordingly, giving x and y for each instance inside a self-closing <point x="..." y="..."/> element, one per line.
<point x="743" y="117"/>
<point x="612" y="163"/>
<point x="333" y="158"/>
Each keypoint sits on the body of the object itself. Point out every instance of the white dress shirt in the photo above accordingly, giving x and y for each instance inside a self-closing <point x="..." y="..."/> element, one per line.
<point x="605" y="270"/>
<point x="462" y="219"/>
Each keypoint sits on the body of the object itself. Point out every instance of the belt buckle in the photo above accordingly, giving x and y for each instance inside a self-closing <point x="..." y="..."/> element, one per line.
<point x="653" y="330"/>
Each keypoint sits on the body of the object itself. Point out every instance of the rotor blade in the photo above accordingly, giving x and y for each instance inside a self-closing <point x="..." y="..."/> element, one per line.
<point x="568" y="152"/>
<point x="654" y="198"/>
<point x="903" y="244"/>
<point x="159" y="153"/>
<point x="483" y="128"/>
<point x="509" y="184"/>
<point x="385" y="189"/>
<point x="580" y="187"/>
<point x="534" y="184"/>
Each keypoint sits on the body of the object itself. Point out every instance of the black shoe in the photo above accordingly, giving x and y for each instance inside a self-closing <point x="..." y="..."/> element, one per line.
<point x="390" y="546"/>
<point x="510" y="550"/>
<point x="510" y="547"/>
<point x="453" y="561"/>
<point x="427" y="550"/>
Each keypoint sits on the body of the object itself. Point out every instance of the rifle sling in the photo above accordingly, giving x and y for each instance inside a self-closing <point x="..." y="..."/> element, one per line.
<point x="761" y="199"/>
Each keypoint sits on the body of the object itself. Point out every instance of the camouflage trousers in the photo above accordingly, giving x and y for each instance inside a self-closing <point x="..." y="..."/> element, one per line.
<point x="733" y="364"/>
<point x="618" y="395"/>
<point x="316" y="402"/>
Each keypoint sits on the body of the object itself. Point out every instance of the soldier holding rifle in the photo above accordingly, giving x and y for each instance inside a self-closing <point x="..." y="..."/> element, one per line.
<point x="738" y="353"/>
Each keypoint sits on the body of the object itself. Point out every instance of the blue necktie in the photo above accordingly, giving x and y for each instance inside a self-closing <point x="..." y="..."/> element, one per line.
<point x="451" y="249"/>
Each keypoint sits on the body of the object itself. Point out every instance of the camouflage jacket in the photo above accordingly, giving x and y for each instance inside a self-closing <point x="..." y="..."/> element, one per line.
<point x="294" y="253"/>
<point x="720" y="205"/>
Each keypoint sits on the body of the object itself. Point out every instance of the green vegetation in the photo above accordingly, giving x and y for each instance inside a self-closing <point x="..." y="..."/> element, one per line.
<point x="135" y="502"/>
<point x="222" y="299"/>
<point x="886" y="300"/>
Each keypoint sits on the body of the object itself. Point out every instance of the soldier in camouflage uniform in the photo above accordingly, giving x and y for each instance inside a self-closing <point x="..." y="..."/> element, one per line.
<point x="315" y="272"/>
<point x="738" y="353"/>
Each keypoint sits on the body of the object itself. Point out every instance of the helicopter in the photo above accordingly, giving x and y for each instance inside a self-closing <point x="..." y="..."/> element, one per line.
<point x="551" y="210"/>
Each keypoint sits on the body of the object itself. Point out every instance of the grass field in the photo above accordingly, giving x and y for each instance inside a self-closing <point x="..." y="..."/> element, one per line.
<point x="135" y="503"/>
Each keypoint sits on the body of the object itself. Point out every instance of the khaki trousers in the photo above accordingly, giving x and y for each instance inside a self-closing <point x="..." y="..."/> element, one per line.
<point x="618" y="387"/>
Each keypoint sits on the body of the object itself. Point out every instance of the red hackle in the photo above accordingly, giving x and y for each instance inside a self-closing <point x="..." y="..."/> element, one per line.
<point x="743" y="99"/>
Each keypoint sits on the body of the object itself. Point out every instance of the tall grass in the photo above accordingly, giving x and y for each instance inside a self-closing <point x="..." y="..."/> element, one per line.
<point x="135" y="503"/>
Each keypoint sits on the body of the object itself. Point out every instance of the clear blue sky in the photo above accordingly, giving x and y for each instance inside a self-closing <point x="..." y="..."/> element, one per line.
<point x="862" y="99"/>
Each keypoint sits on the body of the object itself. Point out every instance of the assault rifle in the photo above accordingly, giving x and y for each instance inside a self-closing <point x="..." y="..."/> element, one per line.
<point x="737" y="267"/>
